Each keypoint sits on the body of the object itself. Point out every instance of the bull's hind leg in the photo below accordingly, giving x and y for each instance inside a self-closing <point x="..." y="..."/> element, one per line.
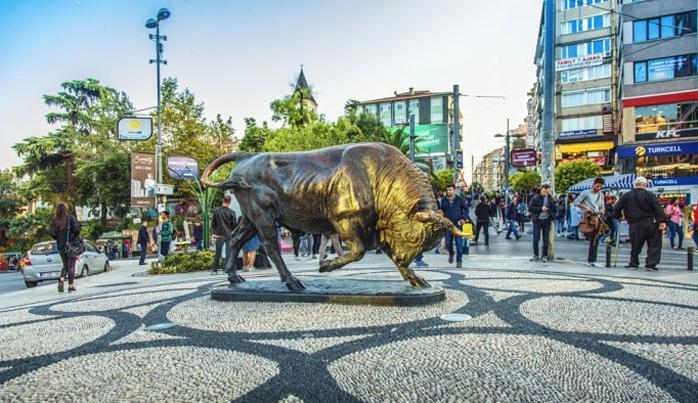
<point x="267" y="233"/>
<point x="409" y="275"/>
<point x="356" y="251"/>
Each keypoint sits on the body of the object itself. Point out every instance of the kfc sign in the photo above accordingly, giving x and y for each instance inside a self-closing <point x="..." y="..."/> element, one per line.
<point x="523" y="157"/>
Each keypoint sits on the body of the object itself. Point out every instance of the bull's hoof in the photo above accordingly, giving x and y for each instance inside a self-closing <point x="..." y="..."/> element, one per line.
<point x="235" y="278"/>
<point x="325" y="266"/>
<point x="418" y="282"/>
<point x="294" y="284"/>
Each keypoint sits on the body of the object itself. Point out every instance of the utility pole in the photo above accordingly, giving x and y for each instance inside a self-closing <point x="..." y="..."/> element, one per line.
<point x="547" y="140"/>
<point x="413" y="136"/>
<point x="456" y="96"/>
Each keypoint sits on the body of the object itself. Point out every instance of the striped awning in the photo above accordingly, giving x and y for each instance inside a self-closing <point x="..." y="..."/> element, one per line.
<point x="625" y="181"/>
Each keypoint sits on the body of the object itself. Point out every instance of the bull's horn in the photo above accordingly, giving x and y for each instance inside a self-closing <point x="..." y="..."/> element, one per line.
<point x="445" y="223"/>
<point x="214" y="165"/>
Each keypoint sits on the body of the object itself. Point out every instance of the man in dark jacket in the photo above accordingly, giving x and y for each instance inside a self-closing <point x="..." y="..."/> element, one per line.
<point x="222" y="225"/>
<point x="143" y="241"/>
<point x="454" y="209"/>
<point x="646" y="219"/>
<point x="482" y="220"/>
<point x="512" y="226"/>
<point x="543" y="210"/>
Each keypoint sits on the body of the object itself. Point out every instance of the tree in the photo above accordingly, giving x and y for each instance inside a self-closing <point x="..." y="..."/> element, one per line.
<point x="441" y="179"/>
<point x="11" y="204"/>
<point x="524" y="180"/>
<point x="399" y="138"/>
<point x="290" y="111"/>
<point x="570" y="173"/>
<point x="255" y="137"/>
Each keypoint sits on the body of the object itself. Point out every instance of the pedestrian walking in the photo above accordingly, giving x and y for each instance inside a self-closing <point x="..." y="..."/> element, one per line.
<point x="143" y="241"/>
<point x="65" y="226"/>
<point x="223" y="224"/>
<point x="673" y="210"/>
<point x="199" y="235"/>
<point x="592" y="200"/>
<point x="482" y="220"/>
<point x="454" y="209"/>
<point x="249" y="253"/>
<point x="543" y="210"/>
<point x="511" y="212"/>
<point x="646" y="220"/>
<point x="560" y="218"/>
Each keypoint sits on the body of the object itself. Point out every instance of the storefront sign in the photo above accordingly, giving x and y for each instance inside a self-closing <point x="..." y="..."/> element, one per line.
<point x="523" y="157"/>
<point x="668" y="134"/>
<point x="576" y="133"/>
<point x="683" y="198"/>
<point x="649" y="150"/>
<point x="676" y="181"/>
<point x="576" y="62"/>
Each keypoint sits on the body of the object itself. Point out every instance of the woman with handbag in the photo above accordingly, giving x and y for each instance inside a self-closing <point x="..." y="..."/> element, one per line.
<point x="64" y="228"/>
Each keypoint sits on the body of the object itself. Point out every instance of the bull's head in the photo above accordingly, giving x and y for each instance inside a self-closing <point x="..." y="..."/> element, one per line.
<point x="435" y="218"/>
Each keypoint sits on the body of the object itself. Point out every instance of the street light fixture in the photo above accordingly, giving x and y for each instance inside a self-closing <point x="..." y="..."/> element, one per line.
<point x="151" y="23"/>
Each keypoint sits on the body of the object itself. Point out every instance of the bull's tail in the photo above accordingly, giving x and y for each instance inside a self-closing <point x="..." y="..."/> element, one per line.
<point x="440" y="220"/>
<point x="217" y="163"/>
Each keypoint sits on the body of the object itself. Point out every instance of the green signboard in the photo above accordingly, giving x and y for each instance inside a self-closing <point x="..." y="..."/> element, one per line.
<point x="435" y="138"/>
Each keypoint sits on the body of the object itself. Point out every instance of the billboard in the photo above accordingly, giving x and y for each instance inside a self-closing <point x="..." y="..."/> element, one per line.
<point x="182" y="168"/>
<point x="143" y="180"/>
<point x="134" y="128"/>
<point x="523" y="157"/>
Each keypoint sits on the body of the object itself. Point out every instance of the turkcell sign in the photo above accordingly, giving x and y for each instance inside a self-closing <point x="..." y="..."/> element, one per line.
<point x="576" y="62"/>
<point x="649" y="150"/>
<point x="134" y="128"/>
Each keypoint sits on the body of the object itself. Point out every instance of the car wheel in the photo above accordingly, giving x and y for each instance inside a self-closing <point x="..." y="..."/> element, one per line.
<point x="85" y="271"/>
<point x="106" y="266"/>
<point x="30" y="284"/>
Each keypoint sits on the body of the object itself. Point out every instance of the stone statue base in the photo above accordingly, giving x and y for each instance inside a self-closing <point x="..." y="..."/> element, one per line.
<point x="332" y="290"/>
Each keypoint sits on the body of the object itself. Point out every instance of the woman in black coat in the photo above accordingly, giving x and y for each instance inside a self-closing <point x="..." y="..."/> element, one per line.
<point x="65" y="226"/>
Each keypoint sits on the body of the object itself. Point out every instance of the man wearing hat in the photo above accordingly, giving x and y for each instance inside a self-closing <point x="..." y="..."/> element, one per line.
<point x="646" y="219"/>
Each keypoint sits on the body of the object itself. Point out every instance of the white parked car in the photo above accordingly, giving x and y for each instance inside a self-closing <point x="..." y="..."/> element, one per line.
<point x="43" y="262"/>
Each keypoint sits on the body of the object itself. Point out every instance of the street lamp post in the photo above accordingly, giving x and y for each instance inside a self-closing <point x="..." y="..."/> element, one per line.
<point x="151" y="23"/>
<point x="506" y="162"/>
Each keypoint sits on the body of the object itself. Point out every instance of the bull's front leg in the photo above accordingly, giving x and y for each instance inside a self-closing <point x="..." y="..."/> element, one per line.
<point x="409" y="275"/>
<point x="356" y="251"/>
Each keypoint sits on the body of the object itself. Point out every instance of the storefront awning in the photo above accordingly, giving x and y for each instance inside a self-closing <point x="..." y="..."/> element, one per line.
<point x="584" y="147"/>
<point x="626" y="181"/>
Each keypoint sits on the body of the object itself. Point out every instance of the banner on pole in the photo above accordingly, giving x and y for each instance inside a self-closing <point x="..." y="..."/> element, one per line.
<point x="143" y="180"/>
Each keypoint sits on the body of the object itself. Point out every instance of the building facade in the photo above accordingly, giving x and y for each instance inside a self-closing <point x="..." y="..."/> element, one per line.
<point x="586" y="54"/>
<point x="659" y="95"/>
<point x="433" y="113"/>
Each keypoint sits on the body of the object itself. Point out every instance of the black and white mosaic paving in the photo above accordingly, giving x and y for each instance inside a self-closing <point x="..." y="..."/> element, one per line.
<point x="533" y="337"/>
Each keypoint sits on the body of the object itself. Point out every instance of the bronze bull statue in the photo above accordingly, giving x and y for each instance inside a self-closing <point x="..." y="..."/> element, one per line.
<point x="368" y="193"/>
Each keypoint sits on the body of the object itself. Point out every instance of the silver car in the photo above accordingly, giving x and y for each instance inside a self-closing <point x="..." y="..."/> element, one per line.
<point x="43" y="262"/>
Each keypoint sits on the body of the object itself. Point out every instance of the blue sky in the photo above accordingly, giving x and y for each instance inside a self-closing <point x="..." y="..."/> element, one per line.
<point x="237" y="56"/>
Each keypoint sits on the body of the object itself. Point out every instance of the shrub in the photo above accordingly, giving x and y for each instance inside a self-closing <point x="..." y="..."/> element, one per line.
<point x="184" y="263"/>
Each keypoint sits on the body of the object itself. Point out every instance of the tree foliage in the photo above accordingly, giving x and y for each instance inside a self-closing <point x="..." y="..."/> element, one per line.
<point x="524" y="180"/>
<point x="570" y="173"/>
<point x="441" y="179"/>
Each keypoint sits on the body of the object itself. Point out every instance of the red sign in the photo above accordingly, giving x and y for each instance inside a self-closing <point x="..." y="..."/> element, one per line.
<point x="523" y="157"/>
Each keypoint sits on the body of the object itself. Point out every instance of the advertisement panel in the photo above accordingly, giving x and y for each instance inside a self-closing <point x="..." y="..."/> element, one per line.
<point x="650" y="150"/>
<point x="143" y="180"/>
<point x="182" y="168"/>
<point x="434" y="139"/>
<point x="576" y="62"/>
<point x="523" y="157"/>
<point x="134" y="128"/>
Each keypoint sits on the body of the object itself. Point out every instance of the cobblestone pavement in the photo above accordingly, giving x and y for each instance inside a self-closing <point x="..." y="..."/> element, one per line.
<point x="538" y="333"/>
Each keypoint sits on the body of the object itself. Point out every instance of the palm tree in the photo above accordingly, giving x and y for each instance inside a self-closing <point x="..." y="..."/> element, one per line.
<point x="401" y="140"/>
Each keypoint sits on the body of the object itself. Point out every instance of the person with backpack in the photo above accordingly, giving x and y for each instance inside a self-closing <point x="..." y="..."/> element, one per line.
<point x="592" y="202"/>
<point x="511" y="213"/>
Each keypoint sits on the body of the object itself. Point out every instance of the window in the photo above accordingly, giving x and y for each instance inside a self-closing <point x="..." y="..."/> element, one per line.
<point x="585" y="123"/>
<point x="437" y="110"/>
<point x="586" y="97"/>
<point x="400" y="113"/>
<point x="371" y="109"/>
<point x="585" y="24"/>
<point x="666" y="68"/>
<point x="569" y="4"/>
<point x="413" y="109"/>
<point x="651" y="119"/>
<point x="586" y="74"/>
<point x="595" y="47"/>
<point x="385" y="115"/>
<point x="667" y="26"/>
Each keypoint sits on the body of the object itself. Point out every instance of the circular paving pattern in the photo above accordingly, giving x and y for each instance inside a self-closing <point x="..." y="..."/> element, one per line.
<point x="532" y="337"/>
